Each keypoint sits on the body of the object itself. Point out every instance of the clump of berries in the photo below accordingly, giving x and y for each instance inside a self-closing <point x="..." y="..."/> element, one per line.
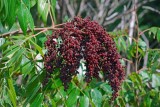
<point x="83" y="39"/>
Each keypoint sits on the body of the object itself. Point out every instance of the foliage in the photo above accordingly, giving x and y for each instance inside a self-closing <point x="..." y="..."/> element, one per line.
<point x="24" y="28"/>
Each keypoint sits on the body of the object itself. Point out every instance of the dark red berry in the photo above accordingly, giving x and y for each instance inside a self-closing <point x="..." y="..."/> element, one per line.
<point x="84" y="39"/>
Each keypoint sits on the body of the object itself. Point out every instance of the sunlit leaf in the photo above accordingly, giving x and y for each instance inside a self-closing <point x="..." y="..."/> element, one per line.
<point x="84" y="101"/>
<point x="72" y="98"/>
<point x="25" y="18"/>
<point x="53" y="6"/>
<point x="155" y="80"/>
<point x="96" y="97"/>
<point x="43" y="9"/>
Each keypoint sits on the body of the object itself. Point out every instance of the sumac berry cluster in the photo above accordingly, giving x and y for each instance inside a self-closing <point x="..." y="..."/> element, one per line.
<point x="87" y="40"/>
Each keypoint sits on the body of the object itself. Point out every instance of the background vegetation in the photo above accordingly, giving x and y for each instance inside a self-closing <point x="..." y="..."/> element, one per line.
<point x="25" y="25"/>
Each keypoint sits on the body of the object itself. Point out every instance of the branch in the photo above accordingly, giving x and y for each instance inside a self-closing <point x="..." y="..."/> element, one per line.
<point x="35" y="29"/>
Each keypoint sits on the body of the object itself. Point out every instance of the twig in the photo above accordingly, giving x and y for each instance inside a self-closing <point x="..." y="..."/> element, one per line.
<point x="51" y="19"/>
<point x="144" y="31"/>
<point x="146" y="55"/>
<point x="60" y="24"/>
<point x="127" y="60"/>
<point x="144" y="68"/>
<point x="152" y="9"/>
<point x="137" y="26"/>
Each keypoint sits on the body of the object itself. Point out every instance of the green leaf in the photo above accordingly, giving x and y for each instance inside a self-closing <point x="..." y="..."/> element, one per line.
<point x="153" y="30"/>
<point x="96" y="97"/>
<point x="123" y="43"/>
<point x="41" y="6"/>
<point x="72" y="98"/>
<point x="38" y="100"/>
<point x="9" y="48"/>
<point x="57" y="83"/>
<point x="156" y="32"/>
<point x="129" y="95"/>
<point x="45" y="12"/>
<point x="53" y="103"/>
<point x="30" y="21"/>
<point x="141" y="51"/>
<point x="6" y="9"/>
<point x="32" y="94"/>
<point x="33" y="2"/>
<point x="1" y="5"/>
<point x="106" y="103"/>
<point x="53" y="6"/>
<point x="22" y="17"/>
<point x="12" y="12"/>
<point x="38" y="48"/>
<point x="10" y="53"/>
<point x="145" y="76"/>
<point x="84" y="101"/>
<point x="120" y="102"/>
<point x="158" y="35"/>
<point x="155" y="80"/>
<point x="107" y="88"/>
<point x="25" y="66"/>
<point x="25" y="18"/>
<point x="142" y="44"/>
<point x="16" y="57"/>
<point x="5" y="45"/>
<point x="43" y="9"/>
<point x="147" y="101"/>
<point x="2" y="41"/>
<point x="12" y="92"/>
<point x="27" y="3"/>
<point x="136" y="80"/>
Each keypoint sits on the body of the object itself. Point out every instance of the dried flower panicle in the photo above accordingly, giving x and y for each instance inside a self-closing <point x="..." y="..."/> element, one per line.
<point x="84" y="39"/>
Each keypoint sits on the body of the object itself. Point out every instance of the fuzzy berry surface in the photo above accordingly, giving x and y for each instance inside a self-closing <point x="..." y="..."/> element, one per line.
<point x="87" y="40"/>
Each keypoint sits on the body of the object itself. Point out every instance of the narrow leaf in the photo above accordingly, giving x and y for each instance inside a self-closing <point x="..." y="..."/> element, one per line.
<point x="25" y="18"/>
<point x="12" y="13"/>
<point x="32" y="95"/>
<point x="45" y="12"/>
<point x="38" y="100"/>
<point x="53" y="6"/>
<point x="22" y="17"/>
<point x="9" y="54"/>
<point x="43" y="9"/>
<point x="12" y="91"/>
